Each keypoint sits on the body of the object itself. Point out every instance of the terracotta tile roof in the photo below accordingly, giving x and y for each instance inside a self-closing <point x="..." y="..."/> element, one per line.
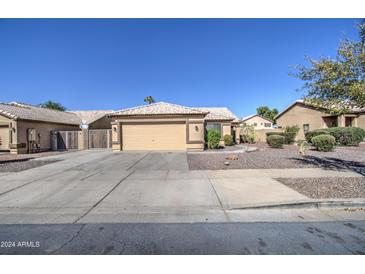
<point x="28" y="112"/>
<point x="160" y="108"/>
<point x="89" y="116"/>
<point x="218" y="113"/>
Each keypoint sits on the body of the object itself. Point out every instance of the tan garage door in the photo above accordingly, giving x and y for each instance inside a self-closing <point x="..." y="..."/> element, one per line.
<point x="154" y="136"/>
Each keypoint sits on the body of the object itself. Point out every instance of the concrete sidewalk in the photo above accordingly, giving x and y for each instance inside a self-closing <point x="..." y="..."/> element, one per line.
<point x="101" y="186"/>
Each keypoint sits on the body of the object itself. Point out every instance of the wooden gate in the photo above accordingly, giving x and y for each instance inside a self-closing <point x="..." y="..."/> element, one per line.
<point x="67" y="140"/>
<point x="100" y="138"/>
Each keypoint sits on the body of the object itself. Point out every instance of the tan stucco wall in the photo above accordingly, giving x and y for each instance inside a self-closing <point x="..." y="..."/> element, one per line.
<point x="300" y="115"/>
<point x="259" y="121"/>
<point x="44" y="129"/>
<point x="361" y="120"/>
<point x="260" y="134"/>
<point x="196" y="131"/>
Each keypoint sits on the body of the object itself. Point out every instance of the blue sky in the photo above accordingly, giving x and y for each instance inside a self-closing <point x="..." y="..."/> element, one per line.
<point x="115" y="63"/>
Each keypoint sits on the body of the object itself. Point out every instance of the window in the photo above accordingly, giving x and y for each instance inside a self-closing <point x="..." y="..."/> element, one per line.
<point x="267" y="124"/>
<point x="216" y="126"/>
<point x="306" y="128"/>
<point x="254" y="124"/>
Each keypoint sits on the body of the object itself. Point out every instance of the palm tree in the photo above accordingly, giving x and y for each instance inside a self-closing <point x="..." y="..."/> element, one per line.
<point x="149" y="100"/>
<point x="52" y="105"/>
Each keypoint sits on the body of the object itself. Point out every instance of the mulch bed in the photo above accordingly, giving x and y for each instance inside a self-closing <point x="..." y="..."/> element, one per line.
<point x="327" y="188"/>
<point x="342" y="158"/>
<point x="17" y="166"/>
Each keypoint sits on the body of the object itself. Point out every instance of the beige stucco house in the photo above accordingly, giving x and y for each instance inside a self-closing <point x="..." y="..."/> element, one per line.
<point x="26" y="128"/>
<point x="257" y="122"/>
<point x="166" y="126"/>
<point x="308" y="118"/>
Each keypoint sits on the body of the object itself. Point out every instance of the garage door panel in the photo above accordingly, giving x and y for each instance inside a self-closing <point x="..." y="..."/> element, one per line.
<point x="154" y="136"/>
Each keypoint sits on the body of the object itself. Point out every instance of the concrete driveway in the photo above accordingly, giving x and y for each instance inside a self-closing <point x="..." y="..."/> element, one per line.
<point x="102" y="186"/>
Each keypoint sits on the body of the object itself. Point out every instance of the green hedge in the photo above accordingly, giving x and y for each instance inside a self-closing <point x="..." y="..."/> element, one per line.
<point x="310" y="134"/>
<point x="288" y="136"/>
<point x="324" y="142"/>
<point x="347" y="136"/>
<point x="275" y="140"/>
<point x="344" y="136"/>
<point x="228" y="140"/>
<point x="213" y="138"/>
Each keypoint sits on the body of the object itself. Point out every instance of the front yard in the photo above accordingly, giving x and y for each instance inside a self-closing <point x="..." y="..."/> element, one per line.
<point x="265" y="157"/>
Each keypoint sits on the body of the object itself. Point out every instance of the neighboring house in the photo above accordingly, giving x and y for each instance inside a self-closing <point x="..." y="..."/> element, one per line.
<point x="165" y="126"/>
<point x="26" y="128"/>
<point x="309" y="118"/>
<point x="94" y="119"/>
<point x="257" y="121"/>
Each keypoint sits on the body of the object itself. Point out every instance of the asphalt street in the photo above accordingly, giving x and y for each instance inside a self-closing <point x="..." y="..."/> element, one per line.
<point x="197" y="238"/>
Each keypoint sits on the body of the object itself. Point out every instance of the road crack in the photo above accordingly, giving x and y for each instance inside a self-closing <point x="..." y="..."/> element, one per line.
<point x="70" y="240"/>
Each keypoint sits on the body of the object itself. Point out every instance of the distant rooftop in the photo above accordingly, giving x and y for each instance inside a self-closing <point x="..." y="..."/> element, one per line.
<point x="90" y="116"/>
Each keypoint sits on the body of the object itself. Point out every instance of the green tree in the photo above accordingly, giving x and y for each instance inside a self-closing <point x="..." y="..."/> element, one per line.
<point x="149" y="100"/>
<point x="266" y="112"/>
<point x="53" y="105"/>
<point x="337" y="84"/>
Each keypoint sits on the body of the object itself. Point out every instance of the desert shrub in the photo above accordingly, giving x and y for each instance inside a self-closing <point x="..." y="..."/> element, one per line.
<point x="324" y="142"/>
<point x="275" y="141"/>
<point x="287" y="136"/>
<point x="248" y="134"/>
<point x="213" y="138"/>
<point x="290" y="132"/>
<point x="228" y="140"/>
<point x="310" y="134"/>
<point x="347" y="136"/>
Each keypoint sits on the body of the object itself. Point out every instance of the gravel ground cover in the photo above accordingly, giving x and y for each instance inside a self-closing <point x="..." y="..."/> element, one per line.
<point x="350" y="158"/>
<point x="10" y="157"/>
<point x="327" y="188"/>
<point x="23" y="165"/>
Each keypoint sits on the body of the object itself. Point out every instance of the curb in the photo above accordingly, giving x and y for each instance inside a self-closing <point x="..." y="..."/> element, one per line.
<point x="309" y="204"/>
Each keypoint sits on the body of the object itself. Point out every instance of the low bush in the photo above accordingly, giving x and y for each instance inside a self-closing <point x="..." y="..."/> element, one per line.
<point x="324" y="142"/>
<point x="250" y="139"/>
<point x="275" y="140"/>
<point x="228" y="140"/>
<point x="290" y="132"/>
<point x="213" y="138"/>
<point x="310" y="134"/>
<point x="247" y="134"/>
<point x="287" y="136"/>
<point x="345" y="136"/>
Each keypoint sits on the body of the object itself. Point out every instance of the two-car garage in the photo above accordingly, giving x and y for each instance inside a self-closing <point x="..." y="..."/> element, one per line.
<point x="153" y="136"/>
<point x="163" y="126"/>
<point x="158" y="126"/>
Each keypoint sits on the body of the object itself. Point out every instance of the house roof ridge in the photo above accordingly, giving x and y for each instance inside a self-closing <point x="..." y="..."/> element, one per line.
<point x="155" y="104"/>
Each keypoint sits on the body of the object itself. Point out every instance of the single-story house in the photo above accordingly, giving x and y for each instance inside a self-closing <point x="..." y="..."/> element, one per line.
<point x="166" y="126"/>
<point x="26" y="128"/>
<point x="257" y="122"/>
<point x="308" y="118"/>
